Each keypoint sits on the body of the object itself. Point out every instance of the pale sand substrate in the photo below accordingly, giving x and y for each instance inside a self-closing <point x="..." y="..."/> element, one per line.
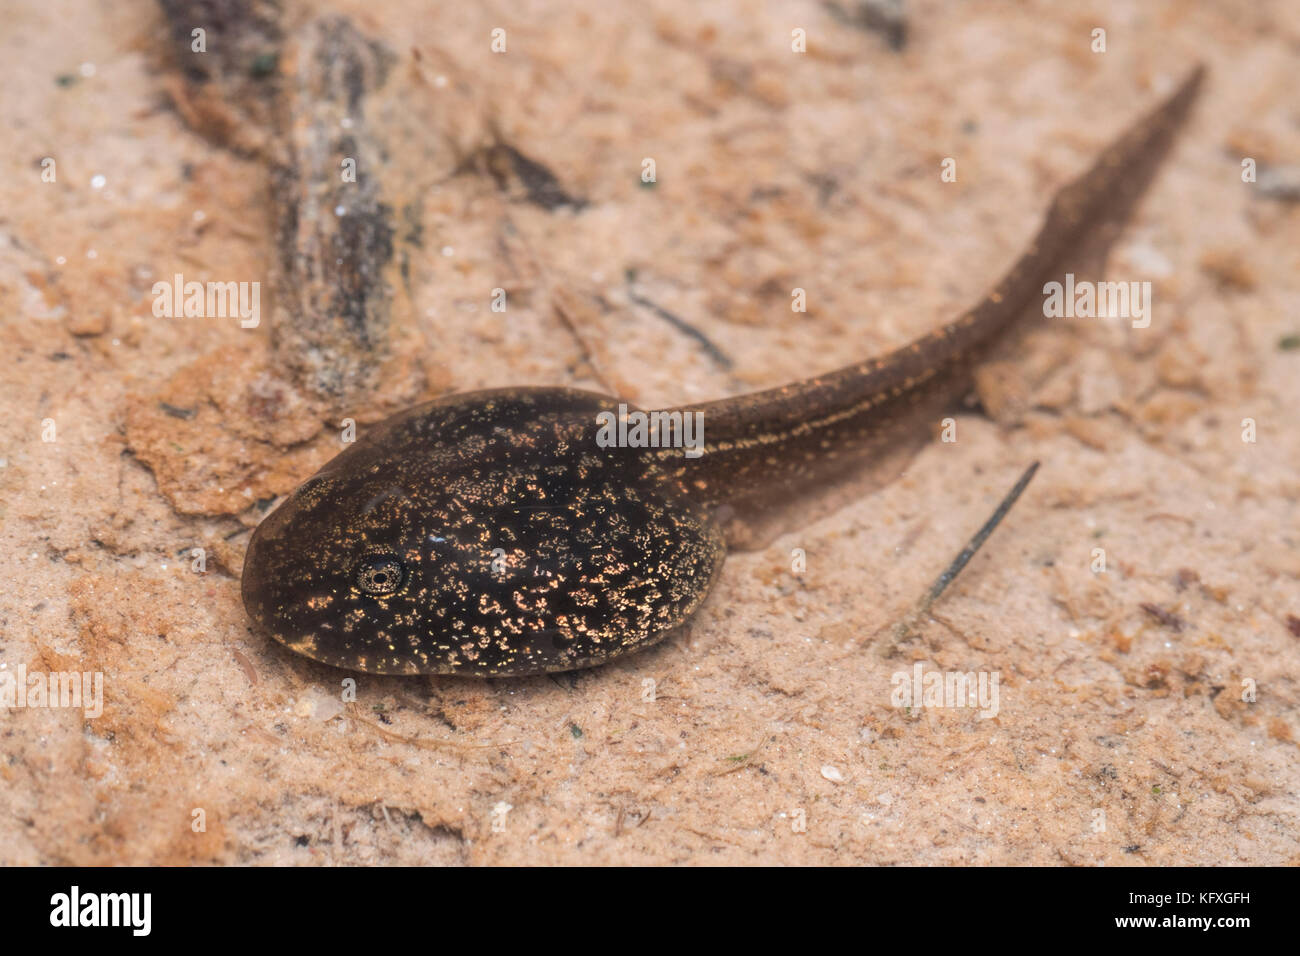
<point x="1120" y="737"/>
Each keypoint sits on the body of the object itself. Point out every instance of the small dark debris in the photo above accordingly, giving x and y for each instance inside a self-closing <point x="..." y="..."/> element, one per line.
<point x="825" y="184"/>
<point x="509" y="167"/>
<point x="1281" y="183"/>
<point x="1163" y="617"/>
<point x="175" y="412"/>
<point x="1133" y="848"/>
<point x="414" y="227"/>
<point x="264" y="503"/>
<point x="65" y="79"/>
<point x="264" y="64"/>
<point x="575" y="730"/>
<point x="885" y="17"/>
<point x="1185" y="578"/>
<point x="1293" y="625"/>
<point x="1288" y="343"/>
<point x="60" y="357"/>
<point x="301" y="840"/>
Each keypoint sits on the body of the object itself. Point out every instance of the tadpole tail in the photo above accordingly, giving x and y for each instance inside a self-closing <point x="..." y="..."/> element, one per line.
<point x="867" y="417"/>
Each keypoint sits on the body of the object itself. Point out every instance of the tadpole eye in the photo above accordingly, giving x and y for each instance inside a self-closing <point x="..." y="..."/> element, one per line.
<point x="380" y="574"/>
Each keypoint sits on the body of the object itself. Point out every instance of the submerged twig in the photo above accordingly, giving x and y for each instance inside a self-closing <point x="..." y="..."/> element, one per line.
<point x="315" y="102"/>
<point x="942" y="581"/>
<point x="677" y="322"/>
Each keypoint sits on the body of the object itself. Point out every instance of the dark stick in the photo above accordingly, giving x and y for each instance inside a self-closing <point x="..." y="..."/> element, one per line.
<point x="941" y="583"/>
<point x="677" y="322"/>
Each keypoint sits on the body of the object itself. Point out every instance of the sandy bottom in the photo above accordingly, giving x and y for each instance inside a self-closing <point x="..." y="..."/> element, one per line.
<point x="1145" y="713"/>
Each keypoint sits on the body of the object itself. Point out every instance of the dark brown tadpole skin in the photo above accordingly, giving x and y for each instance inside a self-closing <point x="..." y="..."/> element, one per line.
<point x="491" y="534"/>
<point x="485" y="533"/>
